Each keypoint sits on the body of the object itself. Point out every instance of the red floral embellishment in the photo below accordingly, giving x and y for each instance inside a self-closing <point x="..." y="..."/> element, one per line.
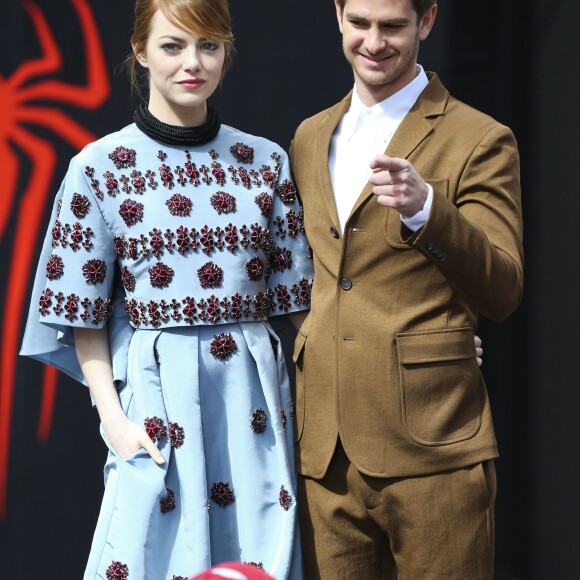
<point x="127" y="279"/>
<point x="223" y="202"/>
<point x="222" y="494"/>
<point x="155" y="428"/>
<point x="210" y="275"/>
<point x="138" y="182"/>
<point x="54" y="267"/>
<point x="285" y="499"/>
<point x="265" y="203"/>
<point x="223" y="346"/>
<point x="117" y="571"/>
<point x="284" y="298"/>
<point x="268" y="176"/>
<point x="166" y="176"/>
<point x="242" y="153"/>
<point x="45" y="301"/>
<point x="287" y="192"/>
<point x="255" y="269"/>
<point x="259" y="421"/>
<point x="156" y="242"/>
<point x="280" y="259"/>
<point x="80" y="205"/>
<point x="161" y="275"/>
<point x="95" y="271"/>
<point x="123" y="157"/>
<point x="179" y="205"/>
<point x="176" y="434"/>
<point x="131" y="211"/>
<point x="167" y="503"/>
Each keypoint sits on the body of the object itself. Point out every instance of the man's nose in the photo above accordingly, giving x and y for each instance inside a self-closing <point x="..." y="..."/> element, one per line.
<point x="375" y="41"/>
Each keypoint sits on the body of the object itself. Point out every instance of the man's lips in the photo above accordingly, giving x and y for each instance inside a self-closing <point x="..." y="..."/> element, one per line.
<point x="375" y="60"/>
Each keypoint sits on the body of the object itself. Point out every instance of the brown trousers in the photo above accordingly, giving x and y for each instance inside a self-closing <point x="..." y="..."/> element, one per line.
<point x="434" y="527"/>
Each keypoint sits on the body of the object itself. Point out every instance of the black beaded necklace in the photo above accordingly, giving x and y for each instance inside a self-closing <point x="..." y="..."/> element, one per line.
<point x="175" y="135"/>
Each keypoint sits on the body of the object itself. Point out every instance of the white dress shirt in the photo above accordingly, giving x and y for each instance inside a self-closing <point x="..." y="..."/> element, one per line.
<point x="363" y="133"/>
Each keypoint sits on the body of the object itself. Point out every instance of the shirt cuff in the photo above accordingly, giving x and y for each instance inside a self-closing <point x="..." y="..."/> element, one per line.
<point x="420" y="218"/>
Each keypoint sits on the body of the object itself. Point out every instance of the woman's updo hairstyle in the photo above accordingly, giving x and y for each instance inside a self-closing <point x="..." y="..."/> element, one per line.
<point x="205" y="18"/>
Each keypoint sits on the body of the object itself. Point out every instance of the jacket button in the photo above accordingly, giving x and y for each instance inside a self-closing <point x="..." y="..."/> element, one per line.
<point x="346" y="284"/>
<point x="334" y="232"/>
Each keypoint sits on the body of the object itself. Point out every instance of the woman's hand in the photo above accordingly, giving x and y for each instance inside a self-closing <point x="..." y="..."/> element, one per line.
<point x="127" y="438"/>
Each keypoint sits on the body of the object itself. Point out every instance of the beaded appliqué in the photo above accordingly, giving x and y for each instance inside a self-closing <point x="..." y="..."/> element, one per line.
<point x="95" y="271"/>
<point x="117" y="571"/>
<point x="54" y="267"/>
<point x="210" y="275"/>
<point x="131" y="211"/>
<point x="255" y="269"/>
<point x="80" y="205"/>
<point x="123" y="157"/>
<point x="259" y="421"/>
<point x="160" y="275"/>
<point x="176" y="435"/>
<point x="167" y="503"/>
<point x="242" y="153"/>
<point x="285" y="499"/>
<point x="223" y="346"/>
<point x="265" y="202"/>
<point x="155" y="428"/>
<point x="223" y="203"/>
<point x="127" y="279"/>
<point x="221" y="494"/>
<point x="179" y="205"/>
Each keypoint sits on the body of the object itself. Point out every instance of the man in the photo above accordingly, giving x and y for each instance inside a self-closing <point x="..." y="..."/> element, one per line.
<point x="394" y="429"/>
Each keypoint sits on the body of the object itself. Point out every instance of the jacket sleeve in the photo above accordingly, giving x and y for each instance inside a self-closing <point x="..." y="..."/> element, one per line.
<point x="474" y="235"/>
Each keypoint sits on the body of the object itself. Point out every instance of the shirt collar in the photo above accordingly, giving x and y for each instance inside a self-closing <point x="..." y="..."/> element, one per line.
<point x="392" y="110"/>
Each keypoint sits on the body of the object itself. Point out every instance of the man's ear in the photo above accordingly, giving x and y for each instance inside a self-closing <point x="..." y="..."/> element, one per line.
<point x="338" y="14"/>
<point x="427" y="22"/>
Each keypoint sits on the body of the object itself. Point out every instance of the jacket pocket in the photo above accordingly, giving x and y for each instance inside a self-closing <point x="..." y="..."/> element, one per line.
<point x="442" y="391"/>
<point x="394" y="224"/>
<point x="298" y="358"/>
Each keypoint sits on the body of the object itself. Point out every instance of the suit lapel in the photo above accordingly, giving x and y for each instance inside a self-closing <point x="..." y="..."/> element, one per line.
<point x="324" y="133"/>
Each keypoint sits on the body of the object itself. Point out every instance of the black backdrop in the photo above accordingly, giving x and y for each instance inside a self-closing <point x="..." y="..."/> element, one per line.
<point x="512" y="59"/>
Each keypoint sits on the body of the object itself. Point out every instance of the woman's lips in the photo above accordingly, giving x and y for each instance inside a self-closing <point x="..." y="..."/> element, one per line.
<point x="191" y="83"/>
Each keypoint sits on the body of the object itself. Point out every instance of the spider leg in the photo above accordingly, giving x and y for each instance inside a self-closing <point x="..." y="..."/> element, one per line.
<point x="59" y="123"/>
<point x="10" y="168"/>
<point x="32" y="206"/>
<point x="97" y="89"/>
<point x="49" y="382"/>
<point x="51" y="59"/>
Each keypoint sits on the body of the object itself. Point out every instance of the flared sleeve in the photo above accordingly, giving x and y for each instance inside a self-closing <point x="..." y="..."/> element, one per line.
<point x="75" y="283"/>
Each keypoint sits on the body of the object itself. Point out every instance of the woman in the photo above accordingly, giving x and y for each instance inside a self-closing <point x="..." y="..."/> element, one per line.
<point x="173" y="241"/>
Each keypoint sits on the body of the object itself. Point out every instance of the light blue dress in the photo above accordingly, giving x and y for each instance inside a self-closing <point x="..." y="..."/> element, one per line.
<point x="184" y="253"/>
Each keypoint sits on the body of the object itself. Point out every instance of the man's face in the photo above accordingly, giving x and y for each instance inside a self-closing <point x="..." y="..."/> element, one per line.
<point x="381" y="39"/>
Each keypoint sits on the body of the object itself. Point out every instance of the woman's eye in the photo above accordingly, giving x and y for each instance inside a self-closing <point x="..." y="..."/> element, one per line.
<point x="209" y="46"/>
<point x="170" y="47"/>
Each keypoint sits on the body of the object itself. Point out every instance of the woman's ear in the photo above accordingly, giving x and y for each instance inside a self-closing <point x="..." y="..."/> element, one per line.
<point x="140" y="56"/>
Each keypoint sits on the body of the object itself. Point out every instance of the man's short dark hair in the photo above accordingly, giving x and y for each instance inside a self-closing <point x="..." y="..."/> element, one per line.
<point x="420" y="6"/>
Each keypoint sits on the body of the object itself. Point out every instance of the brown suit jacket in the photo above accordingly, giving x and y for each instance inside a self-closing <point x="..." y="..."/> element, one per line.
<point x="386" y="356"/>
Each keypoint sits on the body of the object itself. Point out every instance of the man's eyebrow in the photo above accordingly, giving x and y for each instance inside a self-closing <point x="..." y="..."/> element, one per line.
<point x="402" y="21"/>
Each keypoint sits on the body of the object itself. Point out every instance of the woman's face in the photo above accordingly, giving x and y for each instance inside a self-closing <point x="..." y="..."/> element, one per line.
<point x="184" y="71"/>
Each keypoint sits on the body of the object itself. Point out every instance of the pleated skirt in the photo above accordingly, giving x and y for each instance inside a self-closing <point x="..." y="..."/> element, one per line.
<point x="217" y="402"/>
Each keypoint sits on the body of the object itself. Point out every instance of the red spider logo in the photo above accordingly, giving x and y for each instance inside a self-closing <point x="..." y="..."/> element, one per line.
<point x="19" y="95"/>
